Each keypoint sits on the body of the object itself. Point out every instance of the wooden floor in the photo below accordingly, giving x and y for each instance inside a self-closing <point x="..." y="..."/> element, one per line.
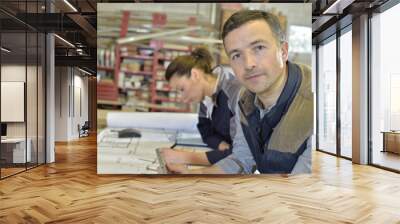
<point x="70" y="191"/>
<point x="10" y="171"/>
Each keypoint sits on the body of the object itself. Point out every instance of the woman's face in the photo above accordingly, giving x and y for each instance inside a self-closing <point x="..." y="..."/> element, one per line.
<point x="190" y="88"/>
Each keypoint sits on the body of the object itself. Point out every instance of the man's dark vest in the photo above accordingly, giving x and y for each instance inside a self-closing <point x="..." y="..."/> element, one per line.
<point x="279" y="139"/>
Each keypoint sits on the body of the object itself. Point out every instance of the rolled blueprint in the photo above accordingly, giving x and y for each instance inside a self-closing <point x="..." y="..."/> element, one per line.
<point x="182" y="122"/>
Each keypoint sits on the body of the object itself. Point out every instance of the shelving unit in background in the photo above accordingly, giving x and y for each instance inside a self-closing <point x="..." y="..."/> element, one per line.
<point x="107" y="90"/>
<point x="137" y="77"/>
<point x="142" y="79"/>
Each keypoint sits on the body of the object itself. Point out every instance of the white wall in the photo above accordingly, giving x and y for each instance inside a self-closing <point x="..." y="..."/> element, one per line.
<point x="71" y="94"/>
<point x="80" y="95"/>
<point x="314" y="89"/>
<point x="13" y="73"/>
<point x="82" y="83"/>
<point x="61" y="103"/>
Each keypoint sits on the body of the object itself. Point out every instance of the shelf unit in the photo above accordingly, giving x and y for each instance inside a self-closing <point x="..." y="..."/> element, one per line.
<point x="107" y="90"/>
<point x="137" y="73"/>
<point x="104" y="68"/>
<point x="148" y="65"/>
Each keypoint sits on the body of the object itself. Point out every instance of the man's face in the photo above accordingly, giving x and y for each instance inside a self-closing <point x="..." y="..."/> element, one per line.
<point x="255" y="55"/>
<point x="190" y="89"/>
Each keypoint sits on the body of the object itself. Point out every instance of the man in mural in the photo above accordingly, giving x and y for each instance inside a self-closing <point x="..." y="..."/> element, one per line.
<point x="275" y="109"/>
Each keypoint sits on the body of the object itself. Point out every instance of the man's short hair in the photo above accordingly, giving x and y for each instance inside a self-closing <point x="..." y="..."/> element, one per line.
<point x="241" y="17"/>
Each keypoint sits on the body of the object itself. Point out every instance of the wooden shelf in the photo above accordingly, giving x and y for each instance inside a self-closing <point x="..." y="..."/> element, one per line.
<point x="164" y="90"/>
<point x="161" y="108"/>
<point x="163" y="48"/>
<point x="174" y="49"/>
<point x="146" y="47"/>
<point x="106" y="82"/>
<point x="110" y="102"/>
<point x="135" y="89"/>
<point x="137" y="73"/>
<point x="168" y="109"/>
<point x="166" y="99"/>
<point x="142" y="99"/>
<point x="137" y="57"/>
<point x="103" y="68"/>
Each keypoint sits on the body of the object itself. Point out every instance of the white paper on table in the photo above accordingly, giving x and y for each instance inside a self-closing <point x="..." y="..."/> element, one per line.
<point x="186" y="135"/>
<point x="157" y="136"/>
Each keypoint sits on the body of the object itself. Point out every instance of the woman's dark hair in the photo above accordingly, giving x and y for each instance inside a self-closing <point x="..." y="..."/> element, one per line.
<point x="182" y="65"/>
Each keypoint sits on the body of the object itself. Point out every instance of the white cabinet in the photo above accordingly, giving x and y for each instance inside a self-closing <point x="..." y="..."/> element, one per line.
<point x="18" y="149"/>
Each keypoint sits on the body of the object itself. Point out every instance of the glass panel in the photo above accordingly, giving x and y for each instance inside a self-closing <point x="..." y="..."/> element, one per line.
<point x="385" y="89"/>
<point x="327" y="97"/>
<point x="13" y="86"/>
<point x="314" y="85"/>
<point x="31" y="100"/>
<point x="14" y="152"/>
<point x="346" y="94"/>
<point x="41" y="99"/>
<point x="23" y="82"/>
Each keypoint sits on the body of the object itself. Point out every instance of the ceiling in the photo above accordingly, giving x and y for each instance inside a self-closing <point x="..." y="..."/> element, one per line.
<point x="72" y="20"/>
<point x="332" y="15"/>
<point x="82" y="26"/>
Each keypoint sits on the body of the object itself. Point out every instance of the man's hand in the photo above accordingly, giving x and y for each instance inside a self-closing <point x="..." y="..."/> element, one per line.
<point x="172" y="156"/>
<point x="174" y="165"/>
<point x="174" y="160"/>
<point x="177" y="168"/>
<point x="223" y="146"/>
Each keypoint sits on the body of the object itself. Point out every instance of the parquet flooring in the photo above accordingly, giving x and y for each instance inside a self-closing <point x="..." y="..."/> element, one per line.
<point x="10" y="171"/>
<point x="70" y="191"/>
